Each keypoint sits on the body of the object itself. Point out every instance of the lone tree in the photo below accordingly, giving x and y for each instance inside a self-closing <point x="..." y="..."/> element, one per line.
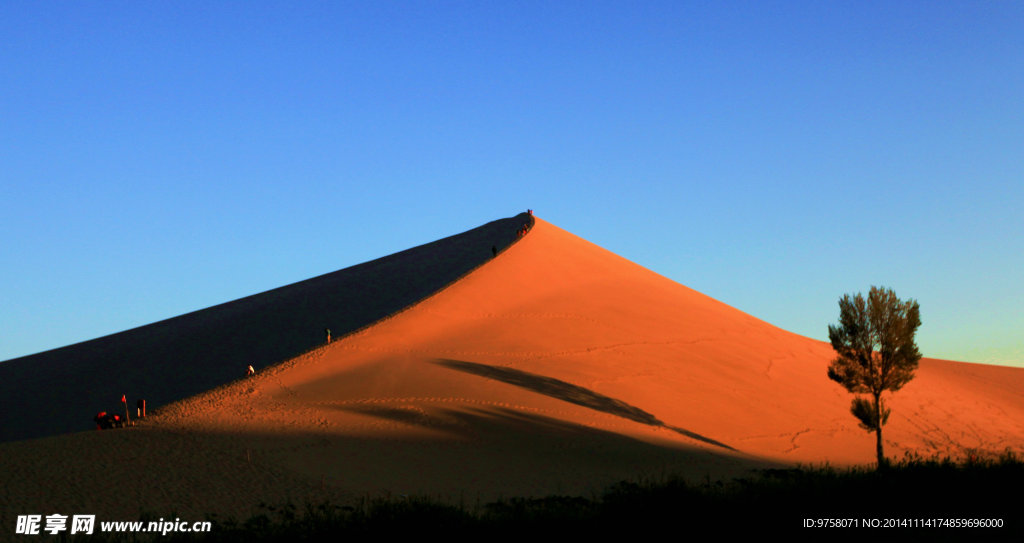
<point x="876" y="352"/>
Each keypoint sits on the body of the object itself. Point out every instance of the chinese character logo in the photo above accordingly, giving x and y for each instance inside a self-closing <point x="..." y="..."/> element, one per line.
<point x="28" y="524"/>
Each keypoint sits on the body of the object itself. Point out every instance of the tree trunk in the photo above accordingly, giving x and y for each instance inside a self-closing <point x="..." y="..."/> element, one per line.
<point x="878" y="431"/>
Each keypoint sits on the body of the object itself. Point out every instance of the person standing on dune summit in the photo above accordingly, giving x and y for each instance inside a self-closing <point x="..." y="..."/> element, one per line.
<point x="328" y="332"/>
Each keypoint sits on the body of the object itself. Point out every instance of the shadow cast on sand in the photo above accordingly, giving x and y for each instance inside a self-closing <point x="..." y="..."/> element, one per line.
<point x="494" y="422"/>
<point x="477" y="454"/>
<point x="562" y="390"/>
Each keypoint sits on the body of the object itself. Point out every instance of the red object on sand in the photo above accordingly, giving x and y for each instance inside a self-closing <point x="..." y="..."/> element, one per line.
<point x="123" y="399"/>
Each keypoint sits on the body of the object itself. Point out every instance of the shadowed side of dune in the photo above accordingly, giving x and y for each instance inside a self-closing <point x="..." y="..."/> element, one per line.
<point x="58" y="391"/>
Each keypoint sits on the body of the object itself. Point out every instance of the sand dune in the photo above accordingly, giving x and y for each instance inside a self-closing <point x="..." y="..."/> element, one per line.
<point x="555" y="367"/>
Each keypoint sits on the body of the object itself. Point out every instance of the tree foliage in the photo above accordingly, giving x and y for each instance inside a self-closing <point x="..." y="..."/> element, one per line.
<point x="874" y="343"/>
<point x="865" y="412"/>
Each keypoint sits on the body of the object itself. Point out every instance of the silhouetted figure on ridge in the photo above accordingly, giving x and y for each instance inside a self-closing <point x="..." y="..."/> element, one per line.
<point x="107" y="421"/>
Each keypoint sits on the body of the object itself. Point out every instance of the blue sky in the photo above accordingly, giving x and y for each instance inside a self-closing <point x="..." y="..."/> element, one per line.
<point x="161" y="157"/>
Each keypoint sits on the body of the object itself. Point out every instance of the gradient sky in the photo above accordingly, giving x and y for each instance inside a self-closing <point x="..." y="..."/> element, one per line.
<point x="161" y="157"/>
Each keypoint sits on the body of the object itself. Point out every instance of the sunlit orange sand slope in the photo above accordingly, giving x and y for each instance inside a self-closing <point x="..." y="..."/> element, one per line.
<point x="558" y="331"/>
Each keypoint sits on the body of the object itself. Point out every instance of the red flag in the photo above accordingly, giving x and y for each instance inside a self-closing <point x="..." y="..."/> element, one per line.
<point x="123" y="399"/>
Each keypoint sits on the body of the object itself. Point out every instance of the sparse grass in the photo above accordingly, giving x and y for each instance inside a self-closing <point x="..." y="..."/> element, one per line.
<point x="769" y="501"/>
